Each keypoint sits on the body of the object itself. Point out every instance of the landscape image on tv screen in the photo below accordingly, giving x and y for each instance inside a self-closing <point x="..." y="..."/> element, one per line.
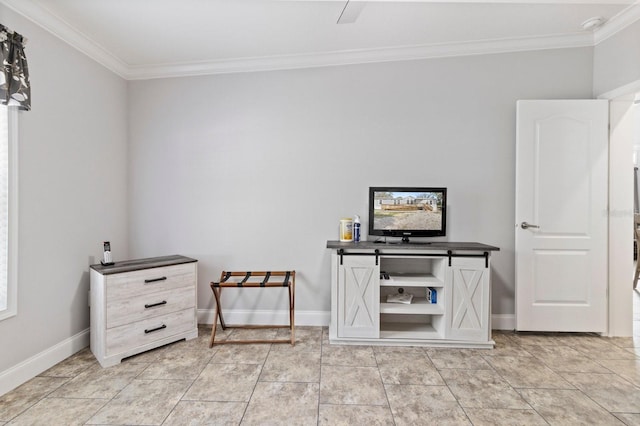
<point x="407" y="210"/>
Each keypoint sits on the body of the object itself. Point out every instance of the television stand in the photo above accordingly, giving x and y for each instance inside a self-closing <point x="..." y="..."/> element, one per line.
<point x="450" y="288"/>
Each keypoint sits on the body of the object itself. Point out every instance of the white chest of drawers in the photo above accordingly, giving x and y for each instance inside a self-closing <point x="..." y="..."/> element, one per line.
<point x="139" y="305"/>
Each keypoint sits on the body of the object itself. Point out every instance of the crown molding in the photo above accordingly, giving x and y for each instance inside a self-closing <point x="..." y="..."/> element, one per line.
<point x="69" y="34"/>
<point x="617" y="23"/>
<point x="361" y="56"/>
<point x="47" y="20"/>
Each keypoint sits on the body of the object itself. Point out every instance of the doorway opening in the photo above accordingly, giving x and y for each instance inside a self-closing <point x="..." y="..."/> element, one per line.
<point x="635" y="139"/>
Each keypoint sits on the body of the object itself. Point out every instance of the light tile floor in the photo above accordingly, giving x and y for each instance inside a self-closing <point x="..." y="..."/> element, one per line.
<point x="537" y="379"/>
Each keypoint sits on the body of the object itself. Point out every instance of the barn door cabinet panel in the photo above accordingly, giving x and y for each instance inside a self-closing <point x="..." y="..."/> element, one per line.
<point x="434" y="294"/>
<point x="469" y="300"/>
<point x="359" y="307"/>
<point x="139" y="305"/>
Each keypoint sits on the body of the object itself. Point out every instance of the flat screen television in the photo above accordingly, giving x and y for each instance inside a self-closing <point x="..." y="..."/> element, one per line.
<point x="407" y="212"/>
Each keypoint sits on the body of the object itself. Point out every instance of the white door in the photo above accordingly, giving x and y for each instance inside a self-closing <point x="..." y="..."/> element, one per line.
<point x="561" y="214"/>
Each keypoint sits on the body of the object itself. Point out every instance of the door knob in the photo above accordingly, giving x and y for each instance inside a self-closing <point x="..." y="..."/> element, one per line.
<point x="525" y="225"/>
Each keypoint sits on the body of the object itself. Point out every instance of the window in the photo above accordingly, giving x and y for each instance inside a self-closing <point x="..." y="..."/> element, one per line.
<point x="8" y="209"/>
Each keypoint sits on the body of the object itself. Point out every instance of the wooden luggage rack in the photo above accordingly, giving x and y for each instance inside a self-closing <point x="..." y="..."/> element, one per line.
<point x="258" y="280"/>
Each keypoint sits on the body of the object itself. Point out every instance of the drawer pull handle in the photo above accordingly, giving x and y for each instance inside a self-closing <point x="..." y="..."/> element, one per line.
<point x="153" y="280"/>
<point x="153" y="305"/>
<point x="151" y="330"/>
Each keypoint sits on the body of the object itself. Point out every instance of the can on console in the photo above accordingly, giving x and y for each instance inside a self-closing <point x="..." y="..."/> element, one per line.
<point x="346" y="229"/>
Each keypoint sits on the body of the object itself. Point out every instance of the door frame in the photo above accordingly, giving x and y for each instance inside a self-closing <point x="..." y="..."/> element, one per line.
<point x="621" y="208"/>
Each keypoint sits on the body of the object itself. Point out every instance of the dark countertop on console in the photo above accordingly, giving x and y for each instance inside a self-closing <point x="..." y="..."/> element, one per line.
<point x="435" y="245"/>
<point x="138" y="264"/>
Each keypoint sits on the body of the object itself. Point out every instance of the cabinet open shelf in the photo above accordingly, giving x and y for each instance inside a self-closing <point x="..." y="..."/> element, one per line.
<point x="411" y="280"/>
<point x="418" y="305"/>
<point x="404" y="330"/>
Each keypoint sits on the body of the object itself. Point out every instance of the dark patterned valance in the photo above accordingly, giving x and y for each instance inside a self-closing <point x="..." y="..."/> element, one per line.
<point x="14" y="78"/>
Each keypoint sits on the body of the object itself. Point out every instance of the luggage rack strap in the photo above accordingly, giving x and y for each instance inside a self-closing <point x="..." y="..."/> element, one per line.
<point x="263" y="279"/>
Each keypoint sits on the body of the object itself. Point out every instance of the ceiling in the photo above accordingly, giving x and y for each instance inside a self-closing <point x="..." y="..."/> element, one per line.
<point x="141" y="39"/>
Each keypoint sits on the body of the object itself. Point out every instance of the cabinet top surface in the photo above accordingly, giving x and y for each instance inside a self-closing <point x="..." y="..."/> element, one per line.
<point x="435" y="245"/>
<point x="138" y="264"/>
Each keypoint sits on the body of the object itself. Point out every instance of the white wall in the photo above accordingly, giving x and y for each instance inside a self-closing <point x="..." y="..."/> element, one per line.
<point x="72" y="194"/>
<point x="617" y="60"/>
<point x="253" y="171"/>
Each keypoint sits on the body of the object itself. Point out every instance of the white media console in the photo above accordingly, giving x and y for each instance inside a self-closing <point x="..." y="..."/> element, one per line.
<point x="363" y="274"/>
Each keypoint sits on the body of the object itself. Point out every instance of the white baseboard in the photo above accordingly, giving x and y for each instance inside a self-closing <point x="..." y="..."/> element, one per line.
<point x="503" y="322"/>
<point x="30" y="368"/>
<point x="238" y="316"/>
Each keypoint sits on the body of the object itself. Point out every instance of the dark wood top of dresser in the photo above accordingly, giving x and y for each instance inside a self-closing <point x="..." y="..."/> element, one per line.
<point x="138" y="264"/>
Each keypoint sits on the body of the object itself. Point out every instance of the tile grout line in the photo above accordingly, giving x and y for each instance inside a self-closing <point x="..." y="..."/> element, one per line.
<point x="384" y="387"/>
<point x="448" y="387"/>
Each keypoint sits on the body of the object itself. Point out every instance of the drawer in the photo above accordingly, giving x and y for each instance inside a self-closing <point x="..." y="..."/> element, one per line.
<point x="144" y="306"/>
<point x="130" y="336"/>
<point x="146" y="281"/>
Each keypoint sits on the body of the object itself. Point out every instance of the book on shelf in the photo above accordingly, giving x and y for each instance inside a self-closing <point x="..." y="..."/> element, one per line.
<point x="432" y="295"/>
<point x="405" y="298"/>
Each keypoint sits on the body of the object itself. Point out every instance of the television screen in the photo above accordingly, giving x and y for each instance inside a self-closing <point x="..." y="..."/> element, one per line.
<point x="407" y="212"/>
